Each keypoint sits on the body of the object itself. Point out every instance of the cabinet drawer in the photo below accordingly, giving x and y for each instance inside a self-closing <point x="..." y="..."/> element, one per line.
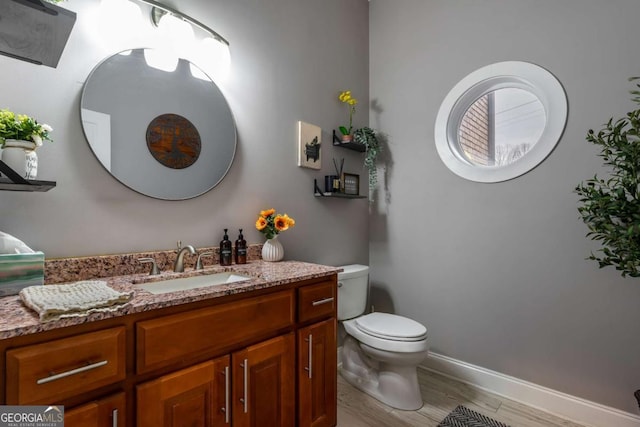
<point x="160" y="342"/>
<point x="52" y="371"/>
<point x="317" y="301"/>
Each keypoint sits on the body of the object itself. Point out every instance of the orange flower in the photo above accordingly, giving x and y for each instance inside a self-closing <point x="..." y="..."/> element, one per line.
<point x="261" y="223"/>
<point x="281" y="223"/>
<point x="290" y="221"/>
<point x="267" y="213"/>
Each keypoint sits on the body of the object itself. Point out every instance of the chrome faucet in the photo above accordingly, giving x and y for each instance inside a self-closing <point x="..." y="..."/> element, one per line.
<point x="178" y="267"/>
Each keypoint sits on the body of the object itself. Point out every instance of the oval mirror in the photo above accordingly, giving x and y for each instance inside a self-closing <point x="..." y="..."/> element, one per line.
<point x="162" y="128"/>
<point x="500" y="121"/>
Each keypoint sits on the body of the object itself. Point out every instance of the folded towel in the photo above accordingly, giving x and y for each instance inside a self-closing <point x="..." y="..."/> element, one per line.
<point x="53" y="302"/>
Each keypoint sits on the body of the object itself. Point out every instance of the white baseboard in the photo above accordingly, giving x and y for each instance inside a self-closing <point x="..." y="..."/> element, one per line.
<point x="564" y="405"/>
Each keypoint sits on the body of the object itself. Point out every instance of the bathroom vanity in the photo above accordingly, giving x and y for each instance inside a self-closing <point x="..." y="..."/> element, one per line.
<point x="260" y="352"/>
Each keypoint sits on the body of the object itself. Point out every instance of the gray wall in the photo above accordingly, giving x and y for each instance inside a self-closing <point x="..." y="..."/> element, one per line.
<point x="290" y="59"/>
<point x="497" y="272"/>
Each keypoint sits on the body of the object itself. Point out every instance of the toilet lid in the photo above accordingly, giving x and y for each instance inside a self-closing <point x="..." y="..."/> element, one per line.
<point x="391" y="327"/>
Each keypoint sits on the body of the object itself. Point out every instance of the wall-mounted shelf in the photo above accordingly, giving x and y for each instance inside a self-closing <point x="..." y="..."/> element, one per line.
<point x="317" y="192"/>
<point x="349" y="145"/>
<point x="339" y="195"/>
<point x="14" y="182"/>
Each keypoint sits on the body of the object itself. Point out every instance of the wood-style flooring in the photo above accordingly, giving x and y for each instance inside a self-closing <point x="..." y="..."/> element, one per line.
<point x="441" y="395"/>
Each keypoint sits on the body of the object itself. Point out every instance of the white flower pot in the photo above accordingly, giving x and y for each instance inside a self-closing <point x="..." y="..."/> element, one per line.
<point x="21" y="157"/>
<point x="272" y="250"/>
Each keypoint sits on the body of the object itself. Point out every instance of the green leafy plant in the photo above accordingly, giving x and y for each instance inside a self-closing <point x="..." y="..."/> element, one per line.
<point x="371" y="140"/>
<point x="611" y="207"/>
<point x="22" y="127"/>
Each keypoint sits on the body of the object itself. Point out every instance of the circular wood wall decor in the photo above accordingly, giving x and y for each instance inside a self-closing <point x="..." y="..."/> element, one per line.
<point x="173" y="141"/>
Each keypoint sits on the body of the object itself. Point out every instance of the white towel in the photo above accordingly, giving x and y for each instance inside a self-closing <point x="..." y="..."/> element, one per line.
<point x="53" y="302"/>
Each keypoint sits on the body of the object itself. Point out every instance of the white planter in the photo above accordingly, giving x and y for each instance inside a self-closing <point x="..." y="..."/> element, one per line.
<point x="21" y="157"/>
<point x="272" y="250"/>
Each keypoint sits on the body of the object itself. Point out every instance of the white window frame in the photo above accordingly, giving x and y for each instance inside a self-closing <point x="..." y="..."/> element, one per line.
<point x="508" y="74"/>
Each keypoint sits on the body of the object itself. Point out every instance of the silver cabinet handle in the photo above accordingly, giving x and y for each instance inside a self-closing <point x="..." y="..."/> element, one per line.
<point x="310" y="368"/>
<point x="114" y="418"/>
<point x="322" y="301"/>
<point x="226" y="395"/>
<point x="71" y="372"/>
<point x="244" y="399"/>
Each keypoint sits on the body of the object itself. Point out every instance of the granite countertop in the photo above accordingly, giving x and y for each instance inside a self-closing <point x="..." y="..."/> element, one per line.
<point x="16" y="319"/>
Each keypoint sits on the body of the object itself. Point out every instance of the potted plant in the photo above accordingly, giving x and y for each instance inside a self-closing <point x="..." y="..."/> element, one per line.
<point x="271" y="224"/>
<point x="345" y="97"/>
<point x="20" y="135"/>
<point x="611" y="207"/>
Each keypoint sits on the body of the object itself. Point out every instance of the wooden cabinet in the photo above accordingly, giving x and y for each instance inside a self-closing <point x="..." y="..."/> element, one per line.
<point x="317" y="301"/>
<point x="107" y="412"/>
<point x="264" y="384"/>
<point x="183" y="398"/>
<point x="211" y="330"/>
<point x="317" y="375"/>
<point x="265" y="358"/>
<point x="45" y="373"/>
<point x="254" y="386"/>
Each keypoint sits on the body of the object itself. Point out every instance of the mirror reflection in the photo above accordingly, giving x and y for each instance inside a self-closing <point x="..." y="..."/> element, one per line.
<point x="122" y="101"/>
<point x="501" y="127"/>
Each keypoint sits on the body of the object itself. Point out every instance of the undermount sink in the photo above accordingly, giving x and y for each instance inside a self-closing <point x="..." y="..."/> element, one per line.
<point x="185" y="283"/>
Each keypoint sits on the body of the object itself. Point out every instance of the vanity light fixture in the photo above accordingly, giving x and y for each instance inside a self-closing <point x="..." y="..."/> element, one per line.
<point x="159" y="10"/>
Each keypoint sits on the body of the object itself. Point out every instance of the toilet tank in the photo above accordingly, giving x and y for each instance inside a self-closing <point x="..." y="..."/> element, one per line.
<point x="353" y="285"/>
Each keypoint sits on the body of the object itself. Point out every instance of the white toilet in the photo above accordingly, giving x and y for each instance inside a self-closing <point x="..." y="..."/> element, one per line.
<point x="381" y="351"/>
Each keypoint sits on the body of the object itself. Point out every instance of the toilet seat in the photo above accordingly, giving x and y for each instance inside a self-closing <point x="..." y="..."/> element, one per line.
<point x="391" y="327"/>
<point x="385" y="339"/>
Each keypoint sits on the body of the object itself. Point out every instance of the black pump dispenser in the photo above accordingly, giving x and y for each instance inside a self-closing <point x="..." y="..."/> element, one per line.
<point x="225" y="250"/>
<point x="241" y="249"/>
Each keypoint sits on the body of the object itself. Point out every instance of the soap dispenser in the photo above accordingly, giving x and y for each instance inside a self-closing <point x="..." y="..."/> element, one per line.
<point x="241" y="249"/>
<point x="225" y="250"/>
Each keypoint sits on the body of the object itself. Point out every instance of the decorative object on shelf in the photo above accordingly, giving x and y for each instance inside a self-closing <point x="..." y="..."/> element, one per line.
<point x="338" y="184"/>
<point x="609" y="207"/>
<point x="371" y="141"/>
<point x="331" y="183"/>
<point x="345" y="97"/>
<point x="317" y="192"/>
<point x="21" y="157"/>
<point x="271" y="224"/>
<point x="20" y="135"/>
<point x="337" y="142"/>
<point x="309" y="141"/>
<point x="351" y="184"/>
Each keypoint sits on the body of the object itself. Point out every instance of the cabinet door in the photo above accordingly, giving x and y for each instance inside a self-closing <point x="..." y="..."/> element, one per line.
<point x="264" y="384"/>
<point x="189" y="397"/>
<point x="107" y="412"/>
<point x="317" y="375"/>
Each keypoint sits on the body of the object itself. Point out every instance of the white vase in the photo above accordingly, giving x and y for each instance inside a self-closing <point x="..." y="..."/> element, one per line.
<point x="272" y="250"/>
<point x="21" y="157"/>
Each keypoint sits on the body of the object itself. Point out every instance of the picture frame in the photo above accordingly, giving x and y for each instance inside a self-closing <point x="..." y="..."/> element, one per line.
<point x="309" y="146"/>
<point x="351" y="184"/>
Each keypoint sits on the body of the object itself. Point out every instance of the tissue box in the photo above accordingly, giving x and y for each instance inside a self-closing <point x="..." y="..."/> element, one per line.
<point x="18" y="271"/>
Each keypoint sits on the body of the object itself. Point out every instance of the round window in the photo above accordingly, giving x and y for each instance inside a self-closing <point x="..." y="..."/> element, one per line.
<point x="500" y="121"/>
